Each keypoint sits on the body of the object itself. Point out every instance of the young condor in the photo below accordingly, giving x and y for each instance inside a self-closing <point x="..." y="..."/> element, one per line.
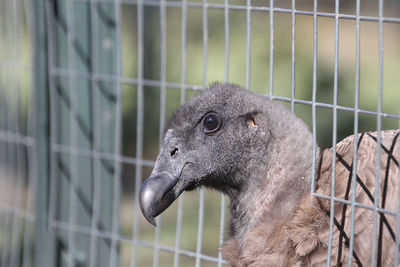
<point x="260" y="155"/>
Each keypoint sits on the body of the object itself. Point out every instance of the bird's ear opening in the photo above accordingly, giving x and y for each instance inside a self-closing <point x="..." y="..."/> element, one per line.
<point x="251" y="121"/>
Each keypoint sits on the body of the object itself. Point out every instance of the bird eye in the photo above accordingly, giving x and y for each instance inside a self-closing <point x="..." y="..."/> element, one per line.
<point x="211" y="123"/>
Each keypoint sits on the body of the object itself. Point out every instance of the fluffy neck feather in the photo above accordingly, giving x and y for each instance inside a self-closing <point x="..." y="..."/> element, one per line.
<point x="276" y="183"/>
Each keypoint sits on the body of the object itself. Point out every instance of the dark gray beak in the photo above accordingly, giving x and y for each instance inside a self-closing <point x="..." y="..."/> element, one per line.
<point x="157" y="194"/>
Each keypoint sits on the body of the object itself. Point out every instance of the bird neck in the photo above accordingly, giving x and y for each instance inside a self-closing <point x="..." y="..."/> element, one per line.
<point x="275" y="194"/>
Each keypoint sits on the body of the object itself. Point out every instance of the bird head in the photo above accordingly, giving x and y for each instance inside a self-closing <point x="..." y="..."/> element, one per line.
<point x="217" y="139"/>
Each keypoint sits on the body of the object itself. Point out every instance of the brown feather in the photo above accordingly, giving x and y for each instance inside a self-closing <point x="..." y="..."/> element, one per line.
<point x="302" y="239"/>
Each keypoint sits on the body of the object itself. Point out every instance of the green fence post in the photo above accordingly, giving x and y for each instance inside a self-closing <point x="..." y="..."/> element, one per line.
<point x="44" y="240"/>
<point x="85" y="43"/>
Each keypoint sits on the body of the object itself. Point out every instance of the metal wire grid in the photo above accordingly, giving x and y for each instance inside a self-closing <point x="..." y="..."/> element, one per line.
<point x="71" y="227"/>
<point x="163" y="84"/>
<point x="9" y="136"/>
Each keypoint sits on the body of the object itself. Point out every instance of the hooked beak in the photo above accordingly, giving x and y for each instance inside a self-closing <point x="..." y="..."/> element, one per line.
<point x="157" y="194"/>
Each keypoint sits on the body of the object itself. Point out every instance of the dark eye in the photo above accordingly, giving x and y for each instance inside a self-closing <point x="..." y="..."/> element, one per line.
<point x="211" y="123"/>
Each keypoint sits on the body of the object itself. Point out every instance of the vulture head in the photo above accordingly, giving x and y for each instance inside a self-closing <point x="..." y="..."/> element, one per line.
<point x="238" y="142"/>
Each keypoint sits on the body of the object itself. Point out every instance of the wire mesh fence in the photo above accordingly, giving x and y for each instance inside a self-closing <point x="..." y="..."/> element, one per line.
<point x="86" y="88"/>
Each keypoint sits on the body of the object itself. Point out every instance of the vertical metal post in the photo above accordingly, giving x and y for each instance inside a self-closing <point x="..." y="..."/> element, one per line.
<point x="115" y="252"/>
<point x="163" y="48"/>
<point x="334" y="133"/>
<point x="271" y="47"/>
<point x="293" y="85"/>
<point x="201" y="197"/>
<point x="44" y="240"/>
<point x="139" y="138"/>
<point x="314" y="95"/>
<point x="248" y="43"/>
<point x="355" y="140"/>
<point x="222" y="211"/>
<point x="375" y="260"/>
<point x="183" y="97"/>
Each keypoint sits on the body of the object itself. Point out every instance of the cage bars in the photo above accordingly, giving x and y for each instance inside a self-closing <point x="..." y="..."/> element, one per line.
<point x="44" y="239"/>
<point x="117" y="143"/>
<point x="226" y="27"/>
<point x="271" y="47"/>
<point x="163" y="84"/>
<point x="201" y="193"/>
<point x="178" y="234"/>
<point x="96" y="154"/>
<point x="334" y="134"/>
<point x="139" y="136"/>
<point x="93" y="260"/>
<point x="226" y="78"/>
<point x="261" y="9"/>
<point x="355" y="140"/>
<point x="248" y="43"/>
<point x="84" y="230"/>
<point x="155" y="83"/>
<point x="378" y="149"/>
<point x="293" y="59"/>
<point x="53" y="116"/>
<point x="72" y="211"/>
<point x="163" y="22"/>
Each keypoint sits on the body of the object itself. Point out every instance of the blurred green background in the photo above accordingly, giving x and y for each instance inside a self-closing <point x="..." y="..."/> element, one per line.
<point x="236" y="73"/>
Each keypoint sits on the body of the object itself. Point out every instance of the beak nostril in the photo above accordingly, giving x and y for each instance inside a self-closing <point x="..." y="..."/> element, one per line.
<point x="174" y="152"/>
